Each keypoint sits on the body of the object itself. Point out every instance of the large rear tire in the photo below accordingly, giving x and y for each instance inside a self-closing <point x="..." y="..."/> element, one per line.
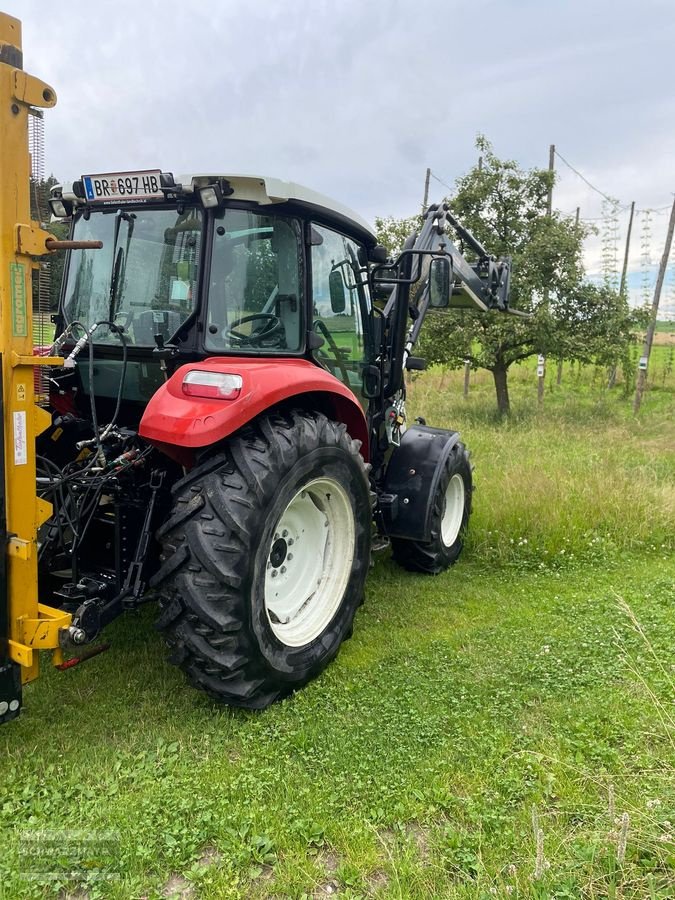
<point x="264" y="558"/>
<point x="449" y="519"/>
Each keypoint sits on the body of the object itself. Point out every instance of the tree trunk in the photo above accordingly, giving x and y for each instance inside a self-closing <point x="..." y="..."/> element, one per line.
<point x="500" y="374"/>
<point x="558" y="379"/>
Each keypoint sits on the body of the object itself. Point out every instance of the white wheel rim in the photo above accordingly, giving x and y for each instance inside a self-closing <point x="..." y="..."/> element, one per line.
<point x="453" y="510"/>
<point x="309" y="562"/>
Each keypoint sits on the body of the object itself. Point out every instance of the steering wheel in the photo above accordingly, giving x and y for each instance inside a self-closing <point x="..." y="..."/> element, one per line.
<point x="270" y="325"/>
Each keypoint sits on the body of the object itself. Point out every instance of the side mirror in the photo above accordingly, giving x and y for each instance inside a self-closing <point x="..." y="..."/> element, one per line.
<point x="378" y="254"/>
<point x="336" y="286"/>
<point x="440" y="282"/>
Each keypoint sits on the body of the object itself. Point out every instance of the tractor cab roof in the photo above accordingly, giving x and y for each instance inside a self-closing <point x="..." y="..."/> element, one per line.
<point x="259" y="189"/>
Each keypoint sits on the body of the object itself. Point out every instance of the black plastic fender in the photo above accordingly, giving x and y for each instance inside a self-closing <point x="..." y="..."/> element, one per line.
<point x="410" y="481"/>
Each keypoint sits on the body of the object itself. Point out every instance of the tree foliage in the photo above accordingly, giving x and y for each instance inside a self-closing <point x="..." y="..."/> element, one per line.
<point x="40" y="191"/>
<point x="505" y="206"/>
<point x="392" y="233"/>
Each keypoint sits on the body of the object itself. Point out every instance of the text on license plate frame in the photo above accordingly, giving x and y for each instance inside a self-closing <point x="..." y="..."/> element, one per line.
<point x="123" y="186"/>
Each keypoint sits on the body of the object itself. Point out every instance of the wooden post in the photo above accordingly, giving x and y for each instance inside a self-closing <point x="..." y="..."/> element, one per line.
<point x="541" y="375"/>
<point x="426" y="191"/>
<point x="549" y="201"/>
<point x="467" y="375"/>
<point x="624" y="271"/>
<point x="649" y="337"/>
<point x="576" y="218"/>
<point x="551" y="168"/>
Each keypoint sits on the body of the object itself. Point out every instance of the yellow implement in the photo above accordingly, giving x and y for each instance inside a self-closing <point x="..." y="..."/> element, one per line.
<point x="26" y="625"/>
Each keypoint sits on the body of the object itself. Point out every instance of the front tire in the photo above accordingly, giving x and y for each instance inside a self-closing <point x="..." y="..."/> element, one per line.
<point x="449" y="519"/>
<point x="264" y="558"/>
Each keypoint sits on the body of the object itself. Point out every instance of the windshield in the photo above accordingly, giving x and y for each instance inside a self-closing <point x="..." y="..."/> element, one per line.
<point x="144" y="278"/>
<point x="255" y="290"/>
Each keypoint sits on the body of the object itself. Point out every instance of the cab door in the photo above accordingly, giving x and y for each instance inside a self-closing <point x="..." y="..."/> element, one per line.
<point x="341" y="308"/>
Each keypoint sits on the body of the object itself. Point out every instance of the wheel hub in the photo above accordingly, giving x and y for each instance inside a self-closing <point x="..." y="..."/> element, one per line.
<point x="278" y="552"/>
<point x="309" y="562"/>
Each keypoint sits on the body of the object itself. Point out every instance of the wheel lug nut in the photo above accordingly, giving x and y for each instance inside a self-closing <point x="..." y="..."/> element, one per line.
<point x="274" y="573"/>
<point x="290" y="542"/>
<point x="284" y="533"/>
<point x="289" y="557"/>
<point x="283" y="569"/>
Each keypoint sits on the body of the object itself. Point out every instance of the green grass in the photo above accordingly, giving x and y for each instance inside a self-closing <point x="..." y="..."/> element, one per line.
<point x="43" y="329"/>
<point x="578" y="474"/>
<point x="530" y="686"/>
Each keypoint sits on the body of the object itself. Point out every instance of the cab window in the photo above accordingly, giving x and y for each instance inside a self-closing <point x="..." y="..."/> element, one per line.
<point x="341" y="306"/>
<point x="255" y="289"/>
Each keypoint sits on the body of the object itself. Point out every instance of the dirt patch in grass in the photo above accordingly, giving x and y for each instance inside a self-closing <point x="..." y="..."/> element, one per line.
<point x="261" y="879"/>
<point x="178" y="888"/>
<point x="420" y="838"/>
<point x="414" y="831"/>
<point x="377" y="881"/>
<point x="326" y="889"/>
<point x="328" y="860"/>
<point x="210" y="856"/>
<point x="387" y="836"/>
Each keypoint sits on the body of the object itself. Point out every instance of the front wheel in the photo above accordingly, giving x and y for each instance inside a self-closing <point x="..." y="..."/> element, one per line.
<point x="265" y="558"/>
<point x="451" y="508"/>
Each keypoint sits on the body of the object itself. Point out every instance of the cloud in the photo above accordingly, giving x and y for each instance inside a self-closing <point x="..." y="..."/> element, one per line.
<point x="357" y="99"/>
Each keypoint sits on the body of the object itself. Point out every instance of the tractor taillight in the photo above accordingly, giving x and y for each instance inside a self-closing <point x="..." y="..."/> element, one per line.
<point x="218" y="385"/>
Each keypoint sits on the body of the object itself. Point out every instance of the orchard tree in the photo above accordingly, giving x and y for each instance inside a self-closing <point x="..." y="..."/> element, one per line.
<point x="506" y="208"/>
<point x="597" y="325"/>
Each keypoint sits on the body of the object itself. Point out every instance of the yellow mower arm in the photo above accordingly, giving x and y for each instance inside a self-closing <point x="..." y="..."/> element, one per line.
<point x="26" y="625"/>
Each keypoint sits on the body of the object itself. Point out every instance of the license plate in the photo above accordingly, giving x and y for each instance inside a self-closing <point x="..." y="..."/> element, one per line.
<point x="123" y="186"/>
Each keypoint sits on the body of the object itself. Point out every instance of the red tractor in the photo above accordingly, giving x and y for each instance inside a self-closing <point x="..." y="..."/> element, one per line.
<point x="228" y="431"/>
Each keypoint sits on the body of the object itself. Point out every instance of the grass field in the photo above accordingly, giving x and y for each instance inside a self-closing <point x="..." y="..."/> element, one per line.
<point x="504" y="729"/>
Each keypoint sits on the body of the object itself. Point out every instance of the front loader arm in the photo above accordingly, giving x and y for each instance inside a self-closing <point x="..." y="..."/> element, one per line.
<point x="481" y="285"/>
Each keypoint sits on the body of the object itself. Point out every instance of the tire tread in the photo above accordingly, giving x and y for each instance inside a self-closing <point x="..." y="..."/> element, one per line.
<point x="205" y="543"/>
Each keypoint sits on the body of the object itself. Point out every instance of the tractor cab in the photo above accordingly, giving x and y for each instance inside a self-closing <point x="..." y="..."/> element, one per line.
<point x="204" y="266"/>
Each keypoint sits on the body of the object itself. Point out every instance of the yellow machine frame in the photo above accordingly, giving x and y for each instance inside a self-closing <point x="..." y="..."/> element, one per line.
<point x="32" y="626"/>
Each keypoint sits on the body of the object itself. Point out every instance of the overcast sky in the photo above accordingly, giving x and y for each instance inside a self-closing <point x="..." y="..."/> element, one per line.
<point x="356" y="98"/>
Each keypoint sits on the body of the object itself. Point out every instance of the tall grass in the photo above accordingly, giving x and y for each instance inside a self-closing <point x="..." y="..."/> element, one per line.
<point x="577" y="475"/>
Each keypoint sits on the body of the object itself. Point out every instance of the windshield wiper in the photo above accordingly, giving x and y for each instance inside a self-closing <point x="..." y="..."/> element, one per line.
<point x="119" y="259"/>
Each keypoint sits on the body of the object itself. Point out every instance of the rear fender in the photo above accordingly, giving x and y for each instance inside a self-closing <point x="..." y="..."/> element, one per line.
<point x="180" y="425"/>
